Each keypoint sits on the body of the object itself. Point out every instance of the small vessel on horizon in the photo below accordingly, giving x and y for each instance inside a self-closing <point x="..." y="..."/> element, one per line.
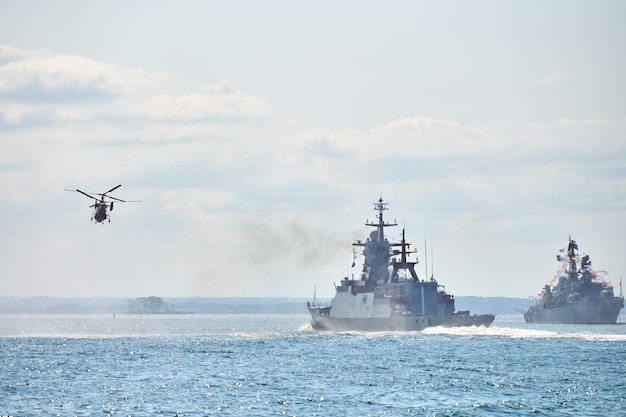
<point x="389" y="295"/>
<point x="576" y="295"/>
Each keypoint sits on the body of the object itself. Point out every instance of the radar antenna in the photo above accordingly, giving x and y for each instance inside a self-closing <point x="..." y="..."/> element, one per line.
<point x="380" y="206"/>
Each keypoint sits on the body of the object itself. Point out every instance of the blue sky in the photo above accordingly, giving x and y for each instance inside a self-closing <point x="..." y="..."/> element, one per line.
<point x="258" y="135"/>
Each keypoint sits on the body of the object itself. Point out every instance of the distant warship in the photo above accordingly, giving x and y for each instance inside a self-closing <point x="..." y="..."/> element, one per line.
<point x="580" y="296"/>
<point x="389" y="296"/>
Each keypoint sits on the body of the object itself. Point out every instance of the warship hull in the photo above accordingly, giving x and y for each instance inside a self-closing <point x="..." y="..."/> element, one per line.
<point x="600" y="311"/>
<point x="377" y="324"/>
<point x="403" y="323"/>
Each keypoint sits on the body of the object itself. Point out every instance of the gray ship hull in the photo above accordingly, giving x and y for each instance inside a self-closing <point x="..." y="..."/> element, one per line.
<point x="406" y="323"/>
<point x="387" y="324"/>
<point x="598" y="311"/>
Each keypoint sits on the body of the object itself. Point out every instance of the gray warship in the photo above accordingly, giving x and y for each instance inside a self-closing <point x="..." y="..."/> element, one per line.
<point x="576" y="295"/>
<point x="389" y="296"/>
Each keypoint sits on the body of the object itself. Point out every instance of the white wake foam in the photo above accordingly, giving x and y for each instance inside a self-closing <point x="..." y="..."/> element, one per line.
<point x="518" y="333"/>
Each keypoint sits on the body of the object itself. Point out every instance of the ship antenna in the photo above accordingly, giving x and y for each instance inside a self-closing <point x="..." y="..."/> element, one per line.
<point x="432" y="259"/>
<point x="426" y="256"/>
<point x="380" y="207"/>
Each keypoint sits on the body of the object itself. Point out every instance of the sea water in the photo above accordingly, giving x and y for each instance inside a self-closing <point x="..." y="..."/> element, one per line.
<point x="265" y="365"/>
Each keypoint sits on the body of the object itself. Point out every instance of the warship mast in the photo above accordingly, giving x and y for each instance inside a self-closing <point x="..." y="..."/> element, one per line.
<point x="404" y="264"/>
<point x="572" y="247"/>
<point x="377" y="248"/>
<point x="381" y="206"/>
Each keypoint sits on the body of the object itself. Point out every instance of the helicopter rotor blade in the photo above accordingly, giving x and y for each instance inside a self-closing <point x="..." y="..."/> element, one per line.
<point x="114" y="188"/>
<point x="101" y="200"/>
<point x="114" y="198"/>
<point x="83" y="193"/>
<point x="120" y="200"/>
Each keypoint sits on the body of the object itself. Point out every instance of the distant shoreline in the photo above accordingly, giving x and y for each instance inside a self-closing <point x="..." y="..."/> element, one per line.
<point x="222" y="305"/>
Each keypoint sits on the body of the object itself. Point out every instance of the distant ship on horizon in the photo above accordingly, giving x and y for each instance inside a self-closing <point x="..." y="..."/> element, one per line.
<point x="389" y="295"/>
<point x="576" y="295"/>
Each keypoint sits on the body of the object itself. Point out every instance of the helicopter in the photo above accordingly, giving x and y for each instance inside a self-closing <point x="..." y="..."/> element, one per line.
<point x="102" y="208"/>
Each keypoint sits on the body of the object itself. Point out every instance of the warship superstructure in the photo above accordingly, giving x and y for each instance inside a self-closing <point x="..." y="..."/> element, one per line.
<point x="389" y="295"/>
<point x="577" y="294"/>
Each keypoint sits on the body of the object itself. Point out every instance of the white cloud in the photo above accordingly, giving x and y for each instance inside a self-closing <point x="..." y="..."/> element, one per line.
<point x="224" y="87"/>
<point x="11" y="54"/>
<point x="45" y="87"/>
<point x="67" y="73"/>
<point x="199" y="106"/>
<point x="418" y="124"/>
